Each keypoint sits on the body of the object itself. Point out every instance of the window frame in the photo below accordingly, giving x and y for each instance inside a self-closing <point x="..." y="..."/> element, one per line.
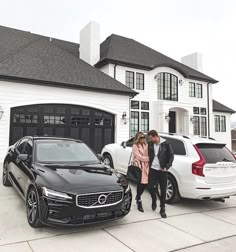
<point x="138" y="85"/>
<point x="165" y="84"/>
<point x="128" y="83"/>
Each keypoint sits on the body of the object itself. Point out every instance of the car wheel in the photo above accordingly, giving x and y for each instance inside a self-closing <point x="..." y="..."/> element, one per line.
<point x="32" y="208"/>
<point x="172" y="191"/>
<point x="107" y="160"/>
<point x="5" y="178"/>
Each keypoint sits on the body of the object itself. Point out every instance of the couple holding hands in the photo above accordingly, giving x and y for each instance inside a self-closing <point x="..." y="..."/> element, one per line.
<point x="154" y="159"/>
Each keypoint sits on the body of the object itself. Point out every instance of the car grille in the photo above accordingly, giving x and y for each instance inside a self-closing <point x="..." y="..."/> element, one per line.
<point x="101" y="199"/>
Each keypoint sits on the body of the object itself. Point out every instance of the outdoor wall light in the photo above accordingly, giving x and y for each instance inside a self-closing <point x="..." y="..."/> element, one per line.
<point x="192" y="119"/>
<point x="124" y="117"/>
<point x="181" y="82"/>
<point x="1" y="112"/>
<point x="167" y="118"/>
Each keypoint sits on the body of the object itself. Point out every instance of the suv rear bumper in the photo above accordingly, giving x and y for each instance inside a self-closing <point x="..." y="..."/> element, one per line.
<point x="208" y="192"/>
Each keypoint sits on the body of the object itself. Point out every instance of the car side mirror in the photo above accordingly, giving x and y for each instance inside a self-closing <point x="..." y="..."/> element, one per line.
<point x="123" y="144"/>
<point x="23" y="157"/>
<point x="100" y="157"/>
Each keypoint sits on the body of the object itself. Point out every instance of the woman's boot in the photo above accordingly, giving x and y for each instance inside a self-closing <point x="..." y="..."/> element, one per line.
<point x="140" y="206"/>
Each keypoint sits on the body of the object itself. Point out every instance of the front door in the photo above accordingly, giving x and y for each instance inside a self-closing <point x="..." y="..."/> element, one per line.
<point x="172" y="122"/>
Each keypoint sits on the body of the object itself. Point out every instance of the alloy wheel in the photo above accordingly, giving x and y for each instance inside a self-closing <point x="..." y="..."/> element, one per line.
<point x="32" y="206"/>
<point x="4" y="174"/>
<point x="169" y="190"/>
<point x="107" y="161"/>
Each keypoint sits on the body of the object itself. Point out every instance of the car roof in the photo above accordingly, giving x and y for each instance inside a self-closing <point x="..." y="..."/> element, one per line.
<point x="46" y="138"/>
<point x="194" y="139"/>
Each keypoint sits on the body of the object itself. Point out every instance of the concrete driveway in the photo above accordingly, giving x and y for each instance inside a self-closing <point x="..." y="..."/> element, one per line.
<point x="191" y="226"/>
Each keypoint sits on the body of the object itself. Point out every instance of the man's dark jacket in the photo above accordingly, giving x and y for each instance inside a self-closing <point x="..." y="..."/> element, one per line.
<point x="165" y="154"/>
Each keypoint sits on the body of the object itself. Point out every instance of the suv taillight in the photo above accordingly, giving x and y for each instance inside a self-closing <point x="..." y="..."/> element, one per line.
<point x="197" y="167"/>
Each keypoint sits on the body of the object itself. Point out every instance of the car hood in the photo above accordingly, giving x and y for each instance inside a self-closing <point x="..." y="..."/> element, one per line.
<point x="79" y="179"/>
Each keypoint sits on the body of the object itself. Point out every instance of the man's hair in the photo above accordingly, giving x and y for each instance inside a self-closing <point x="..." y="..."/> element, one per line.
<point x="153" y="133"/>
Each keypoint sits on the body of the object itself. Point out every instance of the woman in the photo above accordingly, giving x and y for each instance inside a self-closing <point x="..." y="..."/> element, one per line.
<point x="140" y="159"/>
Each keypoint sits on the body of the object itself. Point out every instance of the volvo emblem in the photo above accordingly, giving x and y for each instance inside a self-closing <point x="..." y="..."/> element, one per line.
<point x="102" y="199"/>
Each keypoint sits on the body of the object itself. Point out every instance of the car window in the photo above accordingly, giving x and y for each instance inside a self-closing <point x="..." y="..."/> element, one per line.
<point x="177" y="145"/>
<point x="129" y="143"/>
<point x="28" y="148"/>
<point x="21" y="145"/>
<point x="214" y="153"/>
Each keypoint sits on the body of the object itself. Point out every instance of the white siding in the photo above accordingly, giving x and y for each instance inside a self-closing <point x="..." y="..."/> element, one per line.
<point x="159" y="108"/>
<point x="13" y="94"/>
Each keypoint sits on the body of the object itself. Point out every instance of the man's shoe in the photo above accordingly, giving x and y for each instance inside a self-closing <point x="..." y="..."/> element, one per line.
<point x="154" y="205"/>
<point x="140" y="206"/>
<point x="163" y="213"/>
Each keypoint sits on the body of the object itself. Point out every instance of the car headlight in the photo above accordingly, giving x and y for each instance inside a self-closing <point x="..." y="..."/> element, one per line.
<point x="128" y="188"/>
<point x="54" y="194"/>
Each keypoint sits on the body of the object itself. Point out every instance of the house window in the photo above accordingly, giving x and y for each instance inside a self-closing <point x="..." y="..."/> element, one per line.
<point x="223" y="124"/>
<point x="134" y="123"/>
<point x="200" y="121"/>
<point x="220" y="123"/>
<point x="196" y="125"/>
<point x="196" y="110"/>
<point x="192" y="89"/>
<point x="145" y="105"/>
<point x="195" y="90"/>
<point x="203" y="126"/>
<point x="144" y="121"/>
<point x="140" y="81"/>
<point x="134" y="104"/>
<point x="203" y="111"/>
<point x="199" y="90"/>
<point x="167" y="88"/>
<point x="217" y="123"/>
<point x="139" y="117"/>
<point x="129" y="79"/>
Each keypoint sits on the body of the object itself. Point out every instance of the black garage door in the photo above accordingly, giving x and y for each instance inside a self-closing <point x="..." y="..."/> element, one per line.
<point x="94" y="127"/>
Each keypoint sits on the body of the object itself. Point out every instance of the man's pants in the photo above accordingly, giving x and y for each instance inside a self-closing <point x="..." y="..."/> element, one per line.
<point x="157" y="177"/>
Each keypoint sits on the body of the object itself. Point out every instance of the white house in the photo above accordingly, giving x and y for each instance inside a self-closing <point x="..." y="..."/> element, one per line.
<point x="99" y="93"/>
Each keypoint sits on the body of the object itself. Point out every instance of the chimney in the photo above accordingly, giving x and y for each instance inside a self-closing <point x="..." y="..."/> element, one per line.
<point x="193" y="60"/>
<point x="90" y="43"/>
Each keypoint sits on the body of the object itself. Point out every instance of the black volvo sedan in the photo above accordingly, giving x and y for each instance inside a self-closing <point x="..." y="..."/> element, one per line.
<point x="63" y="182"/>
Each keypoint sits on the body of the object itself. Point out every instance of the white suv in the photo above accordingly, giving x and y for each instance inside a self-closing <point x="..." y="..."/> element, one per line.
<point x="202" y="168"/>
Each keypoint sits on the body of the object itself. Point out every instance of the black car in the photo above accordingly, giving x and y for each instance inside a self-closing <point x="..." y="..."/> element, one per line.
<point x="63" y="182"/>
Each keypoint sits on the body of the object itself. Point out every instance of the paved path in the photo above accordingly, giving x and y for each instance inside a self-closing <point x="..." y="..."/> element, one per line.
<point x="191" y="226"/>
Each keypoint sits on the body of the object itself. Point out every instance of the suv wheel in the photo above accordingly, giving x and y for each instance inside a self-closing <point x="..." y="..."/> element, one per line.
<point x="5" y="178"/>
<point x="32" y="208"/>
<point x="107" y="160"/>
<point x="172" y="191"/>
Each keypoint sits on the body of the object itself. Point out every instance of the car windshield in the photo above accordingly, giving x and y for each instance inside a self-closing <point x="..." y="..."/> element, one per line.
<point x="61" y="151"/>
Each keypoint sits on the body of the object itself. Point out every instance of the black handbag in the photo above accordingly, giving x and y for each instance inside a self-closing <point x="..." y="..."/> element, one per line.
<point x="134" y="173"/>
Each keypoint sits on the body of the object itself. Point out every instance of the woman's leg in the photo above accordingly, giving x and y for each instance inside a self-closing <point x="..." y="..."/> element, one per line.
<point x="140" y="190"/>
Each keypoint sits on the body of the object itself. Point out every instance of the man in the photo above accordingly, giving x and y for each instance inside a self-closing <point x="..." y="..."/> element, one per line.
<point x="161" y="157"/>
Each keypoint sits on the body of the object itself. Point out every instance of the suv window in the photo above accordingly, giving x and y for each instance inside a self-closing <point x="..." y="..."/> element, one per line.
<point x="21" y="145"/>
<point x="177" y="146"/>
<point x="214" y="153"/>
<point x="129" y="143"/>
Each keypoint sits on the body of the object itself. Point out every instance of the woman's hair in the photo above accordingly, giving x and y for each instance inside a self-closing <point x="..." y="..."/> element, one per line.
<point x="137" y="137"/>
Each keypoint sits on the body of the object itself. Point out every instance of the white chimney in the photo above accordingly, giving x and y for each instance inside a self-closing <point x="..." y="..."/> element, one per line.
<point x="90" y="43"/>
<point x="193" y="60"/>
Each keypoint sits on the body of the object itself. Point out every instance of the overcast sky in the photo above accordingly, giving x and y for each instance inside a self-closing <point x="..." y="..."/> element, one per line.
<point x="172" y="27"/>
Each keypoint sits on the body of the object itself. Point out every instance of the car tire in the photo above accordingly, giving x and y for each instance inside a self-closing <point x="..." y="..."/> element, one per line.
<point x="172" y="192"/>
<point x="5" y="178"/>
<point x="107" y="160"/>
<point x="32" y="208"/>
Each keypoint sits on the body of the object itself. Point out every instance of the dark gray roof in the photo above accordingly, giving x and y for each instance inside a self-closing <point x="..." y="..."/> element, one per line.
<point x="219" y="107"/>
<point x="128" y="52"/>
<point x="30" y="57"/>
